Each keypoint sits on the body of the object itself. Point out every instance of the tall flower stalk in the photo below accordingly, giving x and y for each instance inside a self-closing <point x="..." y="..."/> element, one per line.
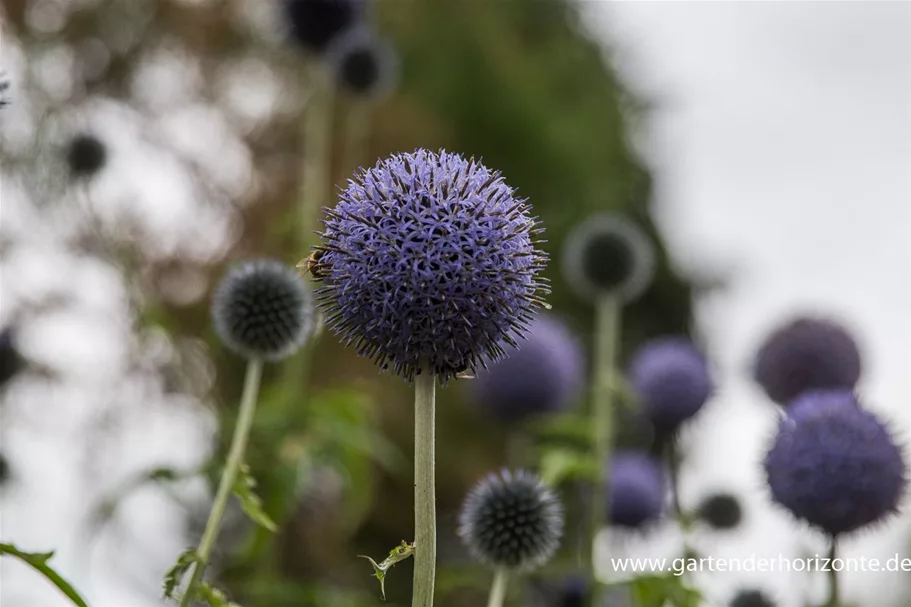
<point x="425" y="522"/>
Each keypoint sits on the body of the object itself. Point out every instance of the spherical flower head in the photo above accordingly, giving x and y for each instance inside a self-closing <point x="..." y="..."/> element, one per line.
<point x="314" y="24"/>
<point x="11" y="362"/>
<point x="545" y="374"/>
<point x="807" y="354"/>
<point x="262" y="309"/>
<point x="834" y="464"/>
<point x="636" y="490"/>
<point x="430" y="263"/>
<point x="362" y="64"/>
<point x="511" y="520"/>
<point x="720" y="511"/>
<point x="672" y="381"/>
<point x="85" y="155"/>
<point x="608" y="255"/>
<point x="751" y="598"/>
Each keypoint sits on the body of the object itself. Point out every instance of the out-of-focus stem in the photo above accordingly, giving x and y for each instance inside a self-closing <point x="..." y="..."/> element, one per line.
<point x="317" y="140"/>
<point x="498" y="589"/>
<point x="357" y="129"/>
<point x="834" y="594"/>
<point x="425" y="525"/>
<point x="228" y="477"/>
<point x="606" y="345"/>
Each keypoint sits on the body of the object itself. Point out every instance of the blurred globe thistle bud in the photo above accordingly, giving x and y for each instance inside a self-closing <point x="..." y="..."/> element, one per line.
<point x="511" y="520"/>
<point x="314" y="24"/>
<point x="671" y="379"/>
<point x="262" y="309"/>
<point x="85" y="155"/>
<point x="11" y="362"/>
<point x="545" y="375"/>
<point x="636" y="489"/>
<point x="751" y="598"/>
<point x="430" y="262"/>
<point x="720" y="511"/>
<point x="835" y="465"/>
<point x="573" y="592"/>
<point x="608" y="254"/>
<point x="362" y="64"/>
<point x="806" y="354"/>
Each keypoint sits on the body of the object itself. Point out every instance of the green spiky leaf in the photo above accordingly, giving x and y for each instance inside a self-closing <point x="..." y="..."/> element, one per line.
<point x="172" y="578"/>
<point x="253" y="506"/>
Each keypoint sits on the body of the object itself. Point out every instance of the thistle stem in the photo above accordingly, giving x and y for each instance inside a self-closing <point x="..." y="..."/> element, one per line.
<point x="607" y="333"/>
<point x="228" y="477"/>
<point x="498" y="590"/>
<point x="834" y="595"/>
<point x="425" y="524"/>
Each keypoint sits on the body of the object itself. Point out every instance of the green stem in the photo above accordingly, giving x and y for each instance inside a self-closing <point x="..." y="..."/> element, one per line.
<point x="425" y="524"/>
<point x="357" y="126"/>
<point x="607" y="333"/>
<point x="228" y="477"/>
<point x="498" y="590"/>
<point x="317" y="136"/>
<point x="834" y="595"/>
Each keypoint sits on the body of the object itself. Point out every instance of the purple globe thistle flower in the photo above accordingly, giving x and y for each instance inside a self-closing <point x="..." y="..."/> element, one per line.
<point x="672" y="381"/>
<point x="544" y="375"/>
<point x="85" y="155"/>
<point x="262" y="309"/>
<point x="806" y="354"/>
<point x="720" y="511"/>
<point x="608" y="254"/>
<point x="314" y="24"/>
<point x="362" y="64"/>
<point x="511" y="520"/>
<point x="835" y="465"/>
<point x="751" y="598"/>
<point x="11" y="362"/>
<point x="636" y="489"/>
<point x="429" y="262"/>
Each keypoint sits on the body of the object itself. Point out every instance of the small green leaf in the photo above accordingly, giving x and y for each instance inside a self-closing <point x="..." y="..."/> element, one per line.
<point x="249" y="501"/>
<point x="662" y="590"/>
<point x="397" y="554"/>
<point x="172" y="578"/>
<point x="558" y="465"/>
<point x="38" y="561"/>
<point x="214" y="597"/>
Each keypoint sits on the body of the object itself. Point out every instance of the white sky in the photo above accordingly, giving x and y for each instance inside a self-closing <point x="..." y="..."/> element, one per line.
<point x="781" y="143"/>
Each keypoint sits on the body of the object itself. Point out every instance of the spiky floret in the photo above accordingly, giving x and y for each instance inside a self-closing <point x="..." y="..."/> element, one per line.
<point x="636" y="489"/>
<point x="721" y="511"/>
<point x="85" y="155"/>
<point x="807" y="354"/>
<point x="672" y="381"/>
<point x="363" y="64"/>
<point x="834" y="464"/>
<point x="608" y="254"/>
<point x="544" y="375"/>
<point x="429" y="261"/>
<point x="314" y="24"/>
<point x="262" y="309"/>
<point x="512" y="520"/>
<point x="751" y="598"/>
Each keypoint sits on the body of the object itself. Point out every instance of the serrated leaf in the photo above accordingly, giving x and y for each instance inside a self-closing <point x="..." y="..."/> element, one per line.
<point x="214" y="597"/>
<point x="253" y="506"/>
<point x="396" y="555"/>
<point x="39" y="562"/>
<point x="173" y="576"/>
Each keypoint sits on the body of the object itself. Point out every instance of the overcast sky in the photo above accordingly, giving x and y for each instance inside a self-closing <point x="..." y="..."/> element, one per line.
<point x="781" y="144"/>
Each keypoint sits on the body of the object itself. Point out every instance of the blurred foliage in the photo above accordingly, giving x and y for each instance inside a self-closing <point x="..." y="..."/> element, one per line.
<point x="519" y="83"/>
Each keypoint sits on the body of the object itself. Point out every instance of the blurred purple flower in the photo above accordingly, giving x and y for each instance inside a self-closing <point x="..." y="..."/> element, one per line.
<point x="430" y="262"/>
<point x="544" y="375"/>
<point x="636" y="489"/>
<point x="720" y="511"/>
<point x="835" y="465"/>
<point x="314" y="24"/>
<point x="806" y="354"/>
<point x="671" y="379"/>
<point x="363" y="64"/>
